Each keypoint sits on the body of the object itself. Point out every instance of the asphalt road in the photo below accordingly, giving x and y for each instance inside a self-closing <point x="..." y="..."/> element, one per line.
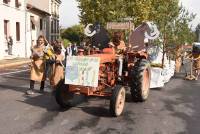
<point x="174" y="109"/>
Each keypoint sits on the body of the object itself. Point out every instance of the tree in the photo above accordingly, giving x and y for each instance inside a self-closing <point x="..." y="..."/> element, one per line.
<point x="197" y="32"/>
<point x="74" y="34"/>
<point x="66" y="43"/>
<point x="101" y="11"/>
<point x="139" y="10"/>
<point x="166" y="14"/>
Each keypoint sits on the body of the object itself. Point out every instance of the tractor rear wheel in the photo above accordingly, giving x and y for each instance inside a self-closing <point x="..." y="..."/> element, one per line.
<point x="117" y="100"/>
<point x="62" y="95"/>
<point x="140" y="82"/>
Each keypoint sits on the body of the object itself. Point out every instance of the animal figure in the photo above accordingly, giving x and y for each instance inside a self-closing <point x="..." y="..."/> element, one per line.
<point x="99" y="35"/>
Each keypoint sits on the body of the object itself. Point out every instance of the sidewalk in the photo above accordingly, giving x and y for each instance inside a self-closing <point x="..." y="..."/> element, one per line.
<point x="13" y="62"/>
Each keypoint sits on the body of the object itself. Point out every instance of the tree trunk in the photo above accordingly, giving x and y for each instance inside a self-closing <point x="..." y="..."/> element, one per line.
<point x="178" y="60"/>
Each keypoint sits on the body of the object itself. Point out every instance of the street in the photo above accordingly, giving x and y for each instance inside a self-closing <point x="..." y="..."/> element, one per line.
<point x="174" y="109"/>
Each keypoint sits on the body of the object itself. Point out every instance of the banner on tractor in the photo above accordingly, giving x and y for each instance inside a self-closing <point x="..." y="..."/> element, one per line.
<point x="82" y="70"/>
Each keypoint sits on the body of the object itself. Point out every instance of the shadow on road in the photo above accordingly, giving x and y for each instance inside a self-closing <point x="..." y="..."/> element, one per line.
<point x="13" y="87"/>
<point x="99" y="111"/>
<point x="45" y="101"/>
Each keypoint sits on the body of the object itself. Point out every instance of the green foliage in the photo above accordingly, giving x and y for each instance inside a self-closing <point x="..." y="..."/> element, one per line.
<point x="181" y="32"/>
<point x="66" y="43"/>
<point x="172" y="19"/>
<point x="74" y="34"/>
<point x="103" y="11"/>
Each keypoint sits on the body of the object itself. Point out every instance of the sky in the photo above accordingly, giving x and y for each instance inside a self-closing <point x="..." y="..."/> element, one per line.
<point x="69" y="12"/>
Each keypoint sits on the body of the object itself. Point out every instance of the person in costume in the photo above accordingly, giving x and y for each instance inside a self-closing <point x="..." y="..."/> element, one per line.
<point x="37" y="67"/>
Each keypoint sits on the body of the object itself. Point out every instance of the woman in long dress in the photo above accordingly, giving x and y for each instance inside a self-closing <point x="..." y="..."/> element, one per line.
<point x="58" y="67"/>
<point x="37" y="72"/>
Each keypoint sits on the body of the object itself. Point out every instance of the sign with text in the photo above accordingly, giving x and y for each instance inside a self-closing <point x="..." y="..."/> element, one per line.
<point x="119" y="25"/>
<point x="82" y="70"/>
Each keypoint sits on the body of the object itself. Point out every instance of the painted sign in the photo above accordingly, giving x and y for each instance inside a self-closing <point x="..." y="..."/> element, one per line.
<point x="119" y="25"/>
<point x="82" y="70"/>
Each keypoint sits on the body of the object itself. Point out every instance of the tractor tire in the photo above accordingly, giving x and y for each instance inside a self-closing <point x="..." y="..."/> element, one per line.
<point x="62" y="95"/>
<point x="140" y="81"/>
<point x="117" y="101"/>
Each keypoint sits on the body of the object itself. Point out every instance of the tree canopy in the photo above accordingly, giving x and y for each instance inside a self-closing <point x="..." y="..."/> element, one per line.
<point x="171" y="18"/>
<point x="74" y="34"/>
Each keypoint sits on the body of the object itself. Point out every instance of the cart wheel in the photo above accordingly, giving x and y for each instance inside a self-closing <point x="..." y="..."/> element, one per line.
<point x="117" y="100"/>
<point x="140" y="82"/>
<point x="62" y="95"/>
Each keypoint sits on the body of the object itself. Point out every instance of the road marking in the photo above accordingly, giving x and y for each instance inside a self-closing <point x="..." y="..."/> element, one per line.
<point x="14" y="72"/>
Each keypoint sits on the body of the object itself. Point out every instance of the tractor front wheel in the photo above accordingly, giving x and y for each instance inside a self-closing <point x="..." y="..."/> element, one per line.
<point x="62" y="95"/>
<point x="117" y="100"/>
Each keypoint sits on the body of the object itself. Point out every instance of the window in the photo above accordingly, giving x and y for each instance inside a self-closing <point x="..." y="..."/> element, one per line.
<point x="17" y="31"/>
<point x="41" y="24"/>
<point x="32" y="22"/>
<point x="52" y="26"/>
<point x="6" y="1"/>
<point x="6" y="28"/>
<point x="55" y="28"/>
<point x="58" y="28"/>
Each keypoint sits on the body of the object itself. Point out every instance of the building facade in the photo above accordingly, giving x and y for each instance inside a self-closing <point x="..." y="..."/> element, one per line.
<point x="12" y="21"/>
<point x="54" y="19"/>
<point x="36" y="21"/>
<point x="25" y="20"/>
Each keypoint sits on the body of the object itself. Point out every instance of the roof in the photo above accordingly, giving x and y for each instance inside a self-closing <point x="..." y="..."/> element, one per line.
<point x="33" y="8"/>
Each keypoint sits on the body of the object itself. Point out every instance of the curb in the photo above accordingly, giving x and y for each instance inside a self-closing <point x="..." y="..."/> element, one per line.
<point x="14" y="64"/>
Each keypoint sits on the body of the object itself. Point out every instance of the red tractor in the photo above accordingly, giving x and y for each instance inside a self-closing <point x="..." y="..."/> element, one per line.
<point x="135" y="74"/>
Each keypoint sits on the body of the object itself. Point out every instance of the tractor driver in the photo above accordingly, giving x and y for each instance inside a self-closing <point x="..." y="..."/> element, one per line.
<point x="119" y="46"/>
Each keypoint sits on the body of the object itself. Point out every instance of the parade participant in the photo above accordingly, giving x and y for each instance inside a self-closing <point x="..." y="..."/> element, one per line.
<point x="119" y="46"/>
<point x="196" y="59"/>
<point x="37" y="65"/>
<point x="63" y="50"/>
<point x="49" y="58"/>
<point x="69" y="50"/>
<point x="196" y="65"/>
<point x="58" y="67"/>
<point x="74" y="49"/>
<point x="118" y="43"/>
